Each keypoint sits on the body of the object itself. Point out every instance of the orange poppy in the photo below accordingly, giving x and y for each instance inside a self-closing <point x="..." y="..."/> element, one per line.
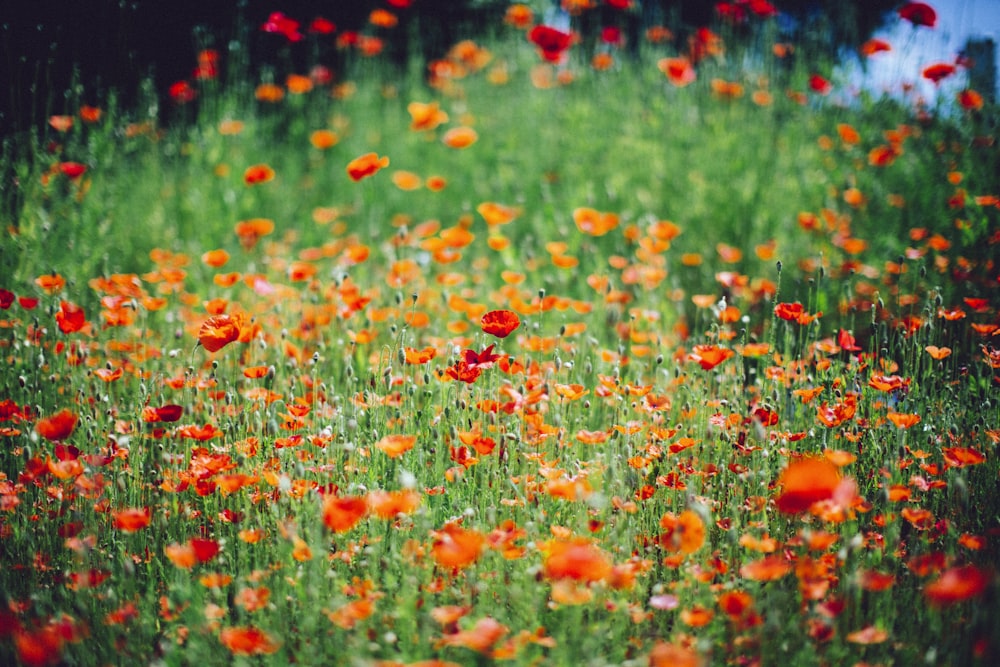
<point x="215" y="258"/>
<point x="58" y="426"/>
<point x="406" y="180"/>
<point x="673" y="655"/>
<point x="390" y="504"/>
<point x="684" y="533"/>
<point x="768" y="568"/>
<point x="903" y="420"/>
<point x="365" y="165"/>
<point x="593" y="222"/>
<point x="460" y="137"/>
<point x="323" y="139"/>
<point x="456" y="547"/>
<point x="709" y="356"/>
<point x="577" y="559"/>
<point x="248" y="641"/>
<point x="131" y="520"/>
<point x="220" y="330"/>
<point x="258" y="173"/>
<point x="806" y="481"/>
<point x="499" y="323"/>
<point x="425" y="116"/>
<point x="341" y="513"/>
<point x="249" y="231"/>
<point x="480" y="638"/>
<point x="397" y="444"/>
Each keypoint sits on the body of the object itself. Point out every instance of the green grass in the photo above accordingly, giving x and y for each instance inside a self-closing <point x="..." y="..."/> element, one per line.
<point x="330" y="327"/>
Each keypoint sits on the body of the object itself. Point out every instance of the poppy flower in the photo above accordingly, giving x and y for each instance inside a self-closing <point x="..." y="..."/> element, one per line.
<point x="74" y="170"/>
<point x="593" y="222"/>
<point x="166" y="413"/>
<point x="61" y="123"/>
<point x="455" y="547"/>
<point x="248" y="641"/>
<point x="57" y="427"/>
<point x="918" y="13"/>
<point x="280" y="24"/>
<point x="258" y="173"/>
<point x="322" y="26"/>
<point x="250" y="231"/>
<point x="460" y="137"/>
<point x="425" y="116"/>
<point x="131" y="520"/>
<point x="323" y="139"/>
<point x="519" y="16"/>
<point x="70" y="317"/>
<point x="804" y="482"/>
<point x="480" y="638"/>
<point x="39" y="647"/>
<point x="395" y="445"/>
<point x="684" y="533"/>
<point x="552" y="43"/>
<point x="970" y="100"/>
<point x="873" y="46"/>
<point x="500" y="323"/>
<point x="819" y="84"/>
<point x="938" y="72"/>
<point x="342" y="513"/>
<point x="220" y="330"/>
<point x="366" y="165"/>
<point x="674" y="655"/>
<point x="577" y="559"/>
<point x="709" y="356"/>
<point x="390" y="504"/>
<point x="956" y="585"/>
<point x="182" y="92"/>
<point x="768" y="568"/>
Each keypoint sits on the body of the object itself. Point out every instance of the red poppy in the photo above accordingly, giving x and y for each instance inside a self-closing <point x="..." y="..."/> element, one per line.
<point x="182" y="92"/>
<point x="278" y="23"/>
<point x="322" y="26"/>
<point x="258" y="173"/>
<point x="58" y="426"/>
<point x="820" y="85"/>
<point x="970" y="100"/>
<point x="500" y="323"/>
<point x="551" y="42"/>
<point x="938" y="71"/>
<point x="219" y="331"/>
<point x="366" y="165"/>
<point x="166" y="413"/>
<point x="918" y="13"/>
<point x="956" y="585"/>
<point x="678" y="70"/>
<point x="873" y="46"/>
<point x="131" y="520"/>
<point x="72" y="169"/>
<point x="70" y="317"/>
<point x="805" y="482"/>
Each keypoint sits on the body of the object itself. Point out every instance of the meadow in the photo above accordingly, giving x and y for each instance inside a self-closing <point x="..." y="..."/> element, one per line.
<point x="550" y="352"/>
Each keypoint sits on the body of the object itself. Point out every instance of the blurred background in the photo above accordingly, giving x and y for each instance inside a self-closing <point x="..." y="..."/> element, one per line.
<point x="57" y="53"/>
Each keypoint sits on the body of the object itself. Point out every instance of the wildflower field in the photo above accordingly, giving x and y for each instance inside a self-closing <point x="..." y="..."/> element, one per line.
<point x="560" y="349"/>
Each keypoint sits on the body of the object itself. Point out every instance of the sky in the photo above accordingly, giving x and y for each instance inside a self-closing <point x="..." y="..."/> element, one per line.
<point x="914" y="48"/>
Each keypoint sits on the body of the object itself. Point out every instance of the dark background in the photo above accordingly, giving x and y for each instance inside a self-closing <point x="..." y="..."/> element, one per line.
<point x="48" y="47"/>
